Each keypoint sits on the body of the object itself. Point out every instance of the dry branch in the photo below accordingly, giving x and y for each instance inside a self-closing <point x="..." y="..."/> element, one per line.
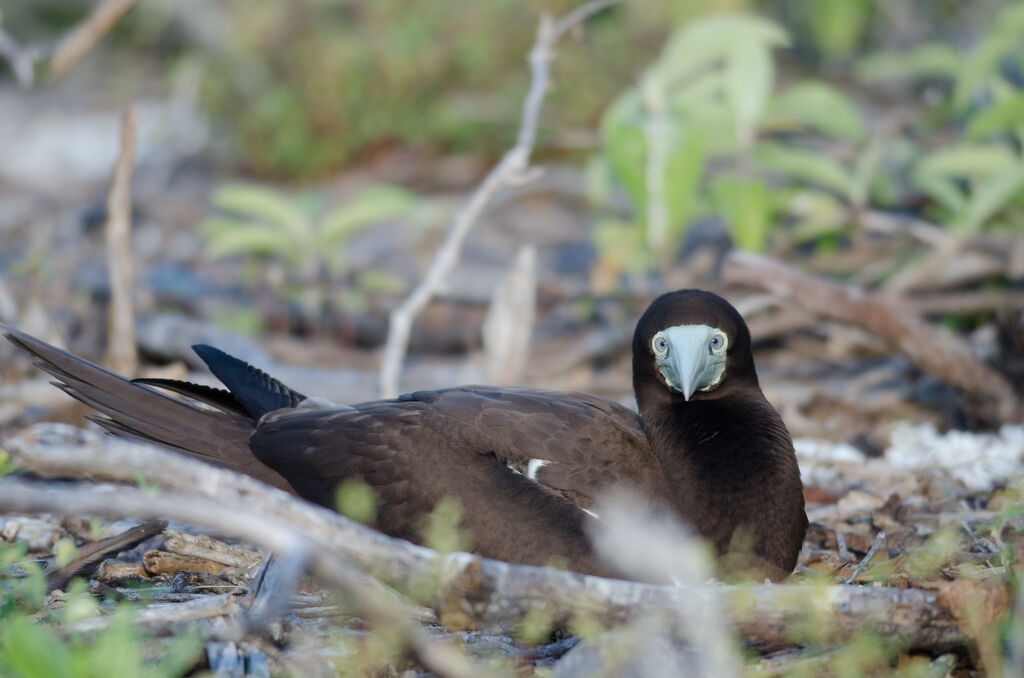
<point x="93" y="553"/>
<point x="86" y="34"/>
<point x="511" y="170"/>
<point x="122" y="356"/>
<point x="931" y="349"/>
<point x="162" y="618"/>
<point x="470" y="591"/>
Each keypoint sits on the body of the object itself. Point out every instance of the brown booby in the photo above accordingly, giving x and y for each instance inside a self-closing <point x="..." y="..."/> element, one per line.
<point x="525" y="463"/>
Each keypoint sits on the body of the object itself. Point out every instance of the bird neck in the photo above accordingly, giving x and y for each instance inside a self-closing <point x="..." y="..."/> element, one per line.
<point x="709" y="435"/>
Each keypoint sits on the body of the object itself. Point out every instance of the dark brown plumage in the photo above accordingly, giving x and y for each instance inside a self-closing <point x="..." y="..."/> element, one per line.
<point x="706" y="442"/>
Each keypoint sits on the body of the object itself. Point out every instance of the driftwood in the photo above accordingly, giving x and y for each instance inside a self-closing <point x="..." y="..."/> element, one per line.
<point x="930" y="348"/>
<point x="90" y="555"/>
<point x="467" y="591"/>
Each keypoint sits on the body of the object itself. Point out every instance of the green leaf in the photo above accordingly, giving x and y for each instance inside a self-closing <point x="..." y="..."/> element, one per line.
<point x="6" y="465"/>
<point x="80" y="604"/>
<point x="381" y="281"/>
<point x="623" y="142"/>
<point x="255" y="240"/>
<point x="65" y="551"/>
<point x="621" y="246"/>
<point x="811" y="167"/>
<point x="746" y="206"/>
<point x="990" y="197"/>
<point x="968" y="160"/>
<point x="838" y="25"/>
<point x="750" y="72"/>
<point x="930" y="60"/>
<point x="441" y="527"/>
<point x="263" y="204"/>
<point x="982" y="63"/>
<point x="357" y="500"/>
<point x="817" y="213"/>
<point x="820" y="107"/>
<point x="1006" y="115"/>
<point x="683" y="170"/>
<point x="942" y="190"/>
<point x="117" y="650"/>
<point x="712" y="39"/>
<point x="370" y="207"/>
<point x="28" y="650"/>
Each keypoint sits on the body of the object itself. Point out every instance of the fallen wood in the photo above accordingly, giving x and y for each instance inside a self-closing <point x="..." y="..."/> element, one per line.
<point x="930" y="348"/>
<point x="169" y="564"/>
<point x="469" y="591"/>
<point x="163" y="618"/>
<point x="202" y="546"/>
<point x="90" y="555"/>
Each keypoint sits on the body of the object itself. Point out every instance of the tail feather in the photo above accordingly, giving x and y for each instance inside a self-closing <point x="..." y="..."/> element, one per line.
<point x="218" y="397"/>
<point x="258" y="392"/>
<point x="137" y="411"/>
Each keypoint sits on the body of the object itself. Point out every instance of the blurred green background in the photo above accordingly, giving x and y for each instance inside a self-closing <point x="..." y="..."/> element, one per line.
<point x="307" y="87"/>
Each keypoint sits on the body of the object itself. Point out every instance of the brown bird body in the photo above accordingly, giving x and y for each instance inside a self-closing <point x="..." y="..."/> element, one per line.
<point x="525" y="463"/>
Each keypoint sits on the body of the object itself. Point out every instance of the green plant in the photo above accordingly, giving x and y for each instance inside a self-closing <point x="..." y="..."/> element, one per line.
<point x="306" y="240"/>
<point x="701" y="134"/>
<point x="978" y="180"/>
<point x="35" y="641"/>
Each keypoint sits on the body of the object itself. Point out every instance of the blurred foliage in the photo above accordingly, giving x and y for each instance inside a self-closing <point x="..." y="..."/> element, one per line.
<point x="355" y="499"/>
<point x="306" y="86"/>
<point x="30" y="648"/>
<point x="307" y="240"/>
<point x="440" y="528"/>
<point x="705" y="133"/>
<point x="701" y="134"/>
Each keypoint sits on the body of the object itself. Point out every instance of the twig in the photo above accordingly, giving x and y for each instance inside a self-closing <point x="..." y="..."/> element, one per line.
<point x="509" y="321"/>
<point x="86" y="34"/>
<point x="91" y="554"/>
<point x="841" y="547"/>
<point x="22" y="60"/>
<point x="122" y="356"/>
<point x="932" y="349"/>
<point x="967" y="302"/>
<point x="867" y="557"/>
<point x="509" y="171"/>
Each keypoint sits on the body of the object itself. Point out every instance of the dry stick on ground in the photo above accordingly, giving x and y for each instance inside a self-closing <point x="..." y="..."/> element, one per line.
<point x="931" y="349"/>
<point x="470" y="591"/>
<point x="86" y="34"/>
<point x="511" y="170"/>
<point x="257" y="527"/>
<point x="122" y="356"/>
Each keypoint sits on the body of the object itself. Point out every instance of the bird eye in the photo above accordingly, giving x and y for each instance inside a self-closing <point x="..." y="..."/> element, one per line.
<point x="660" y="345"/>
<point x="718" y="342"/>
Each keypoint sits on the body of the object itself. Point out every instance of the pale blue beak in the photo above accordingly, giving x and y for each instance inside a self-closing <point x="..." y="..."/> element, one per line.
<point x="690" y="364"/>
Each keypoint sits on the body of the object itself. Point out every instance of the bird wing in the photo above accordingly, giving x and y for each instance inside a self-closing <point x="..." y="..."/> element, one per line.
<point x="569" y="442"/>
<point x="548" y="442"/>
<point x="413" y="454"/>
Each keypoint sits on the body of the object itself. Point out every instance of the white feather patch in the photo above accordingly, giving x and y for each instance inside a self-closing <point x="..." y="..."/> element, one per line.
<point x="534" y="466"/>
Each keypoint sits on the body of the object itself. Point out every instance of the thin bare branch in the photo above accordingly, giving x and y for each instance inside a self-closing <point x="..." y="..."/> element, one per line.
<point x="508" y="172"/>
<point x="867" y="557"/>
<point x="86" y="34"/>
<point x="122" y="356"/>
<point x="932" y="349"/>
